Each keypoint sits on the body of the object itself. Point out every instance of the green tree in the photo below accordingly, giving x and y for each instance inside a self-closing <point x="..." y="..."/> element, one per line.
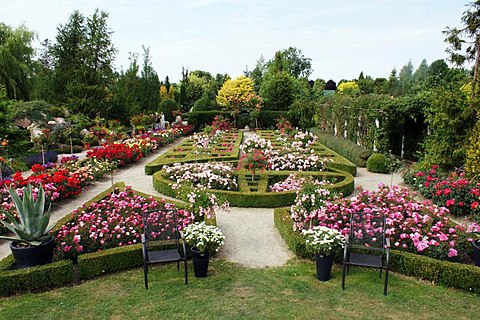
<point x="292" y="61"/>
<point x="42" y="79"/>
<point x="393" y="84"/>
<point x="149" y="84"/>
<point x="420" y="76"/>
<point x="16" y="55"/>
<point x="83" y="60"/>
<point x="365" y="83"/>
<point x="258" y="72"/>
<point x="126" y="91"/>
<point x="277" y="90"/>
<point x="405" y="78"/>
<point x="464" y="43"/>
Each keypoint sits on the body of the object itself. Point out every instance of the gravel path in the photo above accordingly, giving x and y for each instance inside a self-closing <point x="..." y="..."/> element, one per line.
<point x="252" y="239"/>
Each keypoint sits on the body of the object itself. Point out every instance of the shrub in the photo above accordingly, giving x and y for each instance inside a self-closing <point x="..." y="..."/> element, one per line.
<point x="472" y="165"/>
<point x="377" y="162"/>
<point x="353" y="152"/>
<point x="168" y="106"/>
<point x="460" y="195"/>
<point x="111" y="260"/>
<point x="205" y="104"/>
<point x="200" y="119"/>
<point x="44" y="277"/>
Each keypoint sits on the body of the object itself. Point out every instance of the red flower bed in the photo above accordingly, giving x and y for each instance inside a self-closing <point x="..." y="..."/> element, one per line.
<point x="119" y="152"/>
<point x="453" y="191"/>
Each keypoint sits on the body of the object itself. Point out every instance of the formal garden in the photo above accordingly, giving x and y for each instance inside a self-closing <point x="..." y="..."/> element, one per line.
<point x="299" y="150"/>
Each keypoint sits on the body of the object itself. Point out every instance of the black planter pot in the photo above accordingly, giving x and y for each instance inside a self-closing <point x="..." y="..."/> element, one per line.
<point x="476" y="252"/>
<point x="200" y="263"/>
<point x="26" y="257"/>
<point x="324" y="267"/>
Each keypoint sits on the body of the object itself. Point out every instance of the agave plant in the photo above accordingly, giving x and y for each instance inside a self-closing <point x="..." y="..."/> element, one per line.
<point x="33" y="227"/>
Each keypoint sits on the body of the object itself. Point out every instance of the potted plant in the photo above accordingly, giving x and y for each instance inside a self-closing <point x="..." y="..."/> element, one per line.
<point x="32" y="245"/>
<point x="323" y="242"/>
<point x="204" y="240"/>
<point x="88" y="139"/>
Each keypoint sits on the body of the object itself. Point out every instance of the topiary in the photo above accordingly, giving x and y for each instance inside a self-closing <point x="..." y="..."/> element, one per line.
<point x="378" y="162"/>
<point x="167" y="106"/>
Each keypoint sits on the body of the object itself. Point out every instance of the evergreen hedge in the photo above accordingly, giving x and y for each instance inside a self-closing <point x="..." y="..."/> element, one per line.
<point x="348" y="149"/>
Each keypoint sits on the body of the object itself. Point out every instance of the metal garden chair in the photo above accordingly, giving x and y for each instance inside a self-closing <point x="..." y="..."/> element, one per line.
<point x="367" y="245"/>
<point x="161" y="240"/>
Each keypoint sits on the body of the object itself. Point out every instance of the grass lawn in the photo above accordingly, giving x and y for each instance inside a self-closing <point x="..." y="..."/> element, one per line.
<point x="233" y="292"/>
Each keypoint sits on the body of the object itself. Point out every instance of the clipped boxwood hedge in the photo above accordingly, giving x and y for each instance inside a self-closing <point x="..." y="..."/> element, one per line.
<point x="353" y="152"/>
<point x="200" y="119"/>
<point x="53" y="275"/>
<point x="259" y="197"/>
<point x="112" y="260"/>
<point x="172" y="156"/>
<point x="450" y="274"/>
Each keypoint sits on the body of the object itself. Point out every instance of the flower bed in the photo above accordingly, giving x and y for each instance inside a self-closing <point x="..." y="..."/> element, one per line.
<point x="114" y="221"/>
<point x="413" y="226"/>
<point x="68" y="179"/>
<point x="215" y="175"/>
<point x="120" y="152"/>
<point x="453" y="191"/>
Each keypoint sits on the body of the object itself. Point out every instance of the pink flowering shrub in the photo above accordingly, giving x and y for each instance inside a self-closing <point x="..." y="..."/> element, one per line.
<point x="112" y="222"/>
<point x="292" y="183"/>
<point x="419" y="227"/>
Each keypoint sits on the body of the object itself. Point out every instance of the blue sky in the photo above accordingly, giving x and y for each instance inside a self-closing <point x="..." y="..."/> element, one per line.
<point x="342" y="38"/>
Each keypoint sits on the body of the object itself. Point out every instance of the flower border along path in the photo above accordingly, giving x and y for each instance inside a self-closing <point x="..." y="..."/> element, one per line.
<point x="252" y="189"/>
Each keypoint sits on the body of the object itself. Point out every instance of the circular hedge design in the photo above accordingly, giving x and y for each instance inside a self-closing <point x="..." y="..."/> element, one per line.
<point x="253" y="190"/>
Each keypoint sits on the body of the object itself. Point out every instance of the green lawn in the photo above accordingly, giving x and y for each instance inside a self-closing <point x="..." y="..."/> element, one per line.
<point x="233" y="292"/>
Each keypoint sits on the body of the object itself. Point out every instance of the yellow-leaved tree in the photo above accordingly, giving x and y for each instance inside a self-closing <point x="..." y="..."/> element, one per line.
<point x="234" y="94"/>
<point x="350" y="88"/>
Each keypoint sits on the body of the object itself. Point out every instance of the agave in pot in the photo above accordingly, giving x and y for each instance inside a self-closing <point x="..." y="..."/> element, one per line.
<point x="32" y="243"/>
<point x="33" y="228"/>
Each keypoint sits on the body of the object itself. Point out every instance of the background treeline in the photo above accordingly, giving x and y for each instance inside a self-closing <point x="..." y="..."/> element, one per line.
<point x="414" y="113"/>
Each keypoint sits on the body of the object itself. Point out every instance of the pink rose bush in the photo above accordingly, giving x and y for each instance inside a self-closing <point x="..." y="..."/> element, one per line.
<point x="292" y="183"/>
<point x="419" y="227"/>
<point x="112" y="222"/>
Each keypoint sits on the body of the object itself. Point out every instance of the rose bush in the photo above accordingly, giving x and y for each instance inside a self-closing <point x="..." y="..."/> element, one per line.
<point x="451" y="190"/>
<point x="419" y="227"/>
<point x="112" y="222"/>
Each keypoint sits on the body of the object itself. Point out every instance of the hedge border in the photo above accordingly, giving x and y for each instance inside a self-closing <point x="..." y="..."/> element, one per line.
<point x="158" y="163"/>
<point x="64" y="272"/>
<point x="446" y="273"/>
<point x="265" y="199"/>
<point x="348" y="149"/>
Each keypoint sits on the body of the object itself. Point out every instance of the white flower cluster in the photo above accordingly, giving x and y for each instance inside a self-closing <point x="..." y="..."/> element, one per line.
<point x="204" y="237"/>
<point x="323" y="240"/>
<point x="280" y="161"/>
<point x="213" y="175"/>
<point x="205" y="141"/>
<point x="255" y="142"/>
